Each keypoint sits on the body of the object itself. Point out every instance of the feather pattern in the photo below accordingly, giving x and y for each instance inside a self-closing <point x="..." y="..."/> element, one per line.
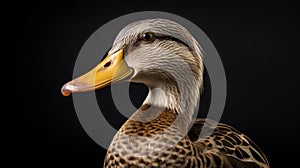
<point x="164" y="132"/>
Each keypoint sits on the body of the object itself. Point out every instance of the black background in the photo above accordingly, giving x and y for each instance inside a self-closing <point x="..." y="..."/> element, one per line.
<point x="258" y="44"/>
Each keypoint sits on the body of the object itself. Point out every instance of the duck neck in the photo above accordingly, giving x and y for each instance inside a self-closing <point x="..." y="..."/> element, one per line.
<point x="180" y="98"/>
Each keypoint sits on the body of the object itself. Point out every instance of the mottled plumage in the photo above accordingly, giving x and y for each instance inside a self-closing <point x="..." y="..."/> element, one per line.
<point x="224" y="148"/>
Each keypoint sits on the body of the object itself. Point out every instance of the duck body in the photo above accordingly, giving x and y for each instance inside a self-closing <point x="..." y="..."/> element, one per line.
<point x="224" y="148"/>
<point x="164" y="131"/>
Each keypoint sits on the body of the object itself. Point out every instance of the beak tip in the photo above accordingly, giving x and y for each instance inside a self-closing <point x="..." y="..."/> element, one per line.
<point x="65" y="91"/>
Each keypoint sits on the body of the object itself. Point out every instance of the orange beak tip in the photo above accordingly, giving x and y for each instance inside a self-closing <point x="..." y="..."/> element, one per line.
<point x="65" y="91"/>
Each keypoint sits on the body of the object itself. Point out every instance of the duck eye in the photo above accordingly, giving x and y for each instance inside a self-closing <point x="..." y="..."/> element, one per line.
<point x="148" y="36"/>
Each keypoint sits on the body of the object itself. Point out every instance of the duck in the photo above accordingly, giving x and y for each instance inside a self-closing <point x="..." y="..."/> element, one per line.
<point x="165" y="130"/>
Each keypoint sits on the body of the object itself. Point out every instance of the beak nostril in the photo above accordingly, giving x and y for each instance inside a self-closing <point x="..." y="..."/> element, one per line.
<point x="107" y="64"/>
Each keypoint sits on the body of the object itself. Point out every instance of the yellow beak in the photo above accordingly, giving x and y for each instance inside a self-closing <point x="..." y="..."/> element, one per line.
<point x="111" y="69"/>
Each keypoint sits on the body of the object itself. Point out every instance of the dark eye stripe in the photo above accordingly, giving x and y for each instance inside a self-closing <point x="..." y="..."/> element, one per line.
<point x="167" y="37"/>
<point x="164" y="37"/>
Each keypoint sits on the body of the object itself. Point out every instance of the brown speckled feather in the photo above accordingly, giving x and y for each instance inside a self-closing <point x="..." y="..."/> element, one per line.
<point x="239" y="150"/>
<point x="224" y="148"/>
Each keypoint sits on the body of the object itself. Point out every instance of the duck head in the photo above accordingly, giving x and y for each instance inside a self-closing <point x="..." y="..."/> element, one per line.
<point x="160" y="53"/>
